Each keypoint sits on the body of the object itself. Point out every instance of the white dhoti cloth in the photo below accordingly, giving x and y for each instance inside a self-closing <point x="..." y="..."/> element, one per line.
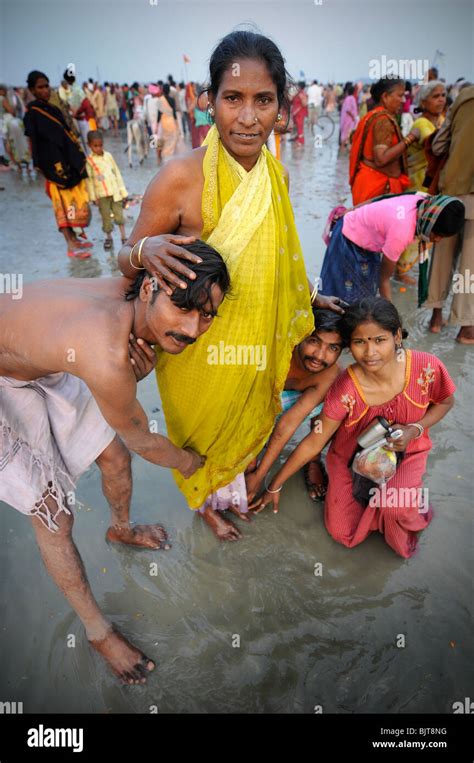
<point x="51" y="430"/>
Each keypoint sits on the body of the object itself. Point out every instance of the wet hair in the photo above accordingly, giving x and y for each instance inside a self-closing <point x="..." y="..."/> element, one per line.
<point x="384" y="85"/>
<point x="249" y="45"/>
<point x="212" y="270"/>
<point x="371" y="310"/>
<point x="94" y="135"/>
<point x="33" y="78"/>
<point x="327" y="320"/>
<point x="450" y="219"/>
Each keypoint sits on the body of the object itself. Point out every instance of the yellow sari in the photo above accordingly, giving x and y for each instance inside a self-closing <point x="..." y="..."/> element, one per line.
<point x="215" y="399"/>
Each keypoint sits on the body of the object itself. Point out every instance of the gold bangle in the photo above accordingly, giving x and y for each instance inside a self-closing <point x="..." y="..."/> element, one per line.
<point x="314" y="293"/>
<point x="130" y="258"/>
<point x="140" y="251"/>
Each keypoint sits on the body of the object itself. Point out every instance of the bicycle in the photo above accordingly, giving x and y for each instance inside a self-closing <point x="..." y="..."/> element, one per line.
<point x="325" y="126"/>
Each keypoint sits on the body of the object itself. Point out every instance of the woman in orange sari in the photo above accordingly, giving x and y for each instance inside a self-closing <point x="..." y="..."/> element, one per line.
<point x="378" y="163"/>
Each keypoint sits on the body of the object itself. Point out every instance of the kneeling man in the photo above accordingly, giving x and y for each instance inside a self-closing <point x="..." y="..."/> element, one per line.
<point x="312" y="371"/>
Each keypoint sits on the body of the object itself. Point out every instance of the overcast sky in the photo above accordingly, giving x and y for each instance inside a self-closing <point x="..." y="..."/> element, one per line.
<point x="126" y="40"/>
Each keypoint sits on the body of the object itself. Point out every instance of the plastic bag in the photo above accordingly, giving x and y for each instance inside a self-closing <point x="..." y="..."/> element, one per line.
<point x="376" y="464"/>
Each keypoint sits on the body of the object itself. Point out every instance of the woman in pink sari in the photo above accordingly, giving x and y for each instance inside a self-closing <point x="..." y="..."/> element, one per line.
<point x="349" y="117"/>
<point x="299" y="110"/>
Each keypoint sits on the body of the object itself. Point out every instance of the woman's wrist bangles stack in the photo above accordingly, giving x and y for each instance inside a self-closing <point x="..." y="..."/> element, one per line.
<point x="420" y="428"/>
<point x="409" y="140"/>
<point x="138" y="243"/>
<point x="314" y="293"/>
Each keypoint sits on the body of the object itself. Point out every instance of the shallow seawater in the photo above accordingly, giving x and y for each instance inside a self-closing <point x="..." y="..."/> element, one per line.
<point x="305" y="640"/>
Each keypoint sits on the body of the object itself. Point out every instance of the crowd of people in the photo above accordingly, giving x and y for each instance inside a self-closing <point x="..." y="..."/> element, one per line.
<point x="218" y="221"/>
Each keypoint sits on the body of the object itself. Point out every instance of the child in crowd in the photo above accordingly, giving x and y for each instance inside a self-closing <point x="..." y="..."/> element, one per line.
<point x="105" y="186"/>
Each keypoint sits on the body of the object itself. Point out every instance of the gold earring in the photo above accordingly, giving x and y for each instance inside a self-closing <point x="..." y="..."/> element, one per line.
<point x="279" y="118"/>
<point x="210" y="110"/>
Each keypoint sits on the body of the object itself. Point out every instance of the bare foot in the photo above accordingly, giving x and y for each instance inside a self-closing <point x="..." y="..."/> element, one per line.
<point x="466" y="335"/>
<point x="437" y="322"/>
<point x="315" y="480"/>
<point x="126" y="661"/>
<point x="222" y="528"/>
<point x="144" y="536"/>
<point x="244" y="515"/>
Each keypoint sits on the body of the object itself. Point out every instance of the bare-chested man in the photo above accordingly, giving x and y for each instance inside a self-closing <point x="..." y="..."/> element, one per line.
<point x="68" y="397"/>
<point x="313" y="369"/>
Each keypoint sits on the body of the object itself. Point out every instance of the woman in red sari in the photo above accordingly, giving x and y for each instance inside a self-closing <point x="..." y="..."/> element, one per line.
<point x="378" y="162"/>
<point x="299" y="111"/>
<point x="413" y="391"/>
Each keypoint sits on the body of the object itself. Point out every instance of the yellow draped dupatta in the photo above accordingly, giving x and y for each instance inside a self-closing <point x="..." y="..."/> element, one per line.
<point x="214" y="399"/>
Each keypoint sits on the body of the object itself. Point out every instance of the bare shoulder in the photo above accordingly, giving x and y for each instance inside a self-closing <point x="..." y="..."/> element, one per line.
<point x="109" y="376"/>
<point x="329" y="375"/>
<point x="336" y="370"/>
<point x="179" y="172"/>
<point x="324" y="379"/>
<point x="104" y="333"/>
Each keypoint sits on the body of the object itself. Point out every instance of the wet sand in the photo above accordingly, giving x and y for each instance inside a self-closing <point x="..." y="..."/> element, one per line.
<point x="305" y="640"/>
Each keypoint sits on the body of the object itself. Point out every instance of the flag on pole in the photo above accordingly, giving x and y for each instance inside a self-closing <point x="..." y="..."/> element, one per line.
<point x="186" y="59"/>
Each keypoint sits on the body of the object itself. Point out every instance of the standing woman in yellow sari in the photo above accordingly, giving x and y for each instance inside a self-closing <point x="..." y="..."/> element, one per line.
<point x="232" y="193"/>
<point x="431" y="103"/>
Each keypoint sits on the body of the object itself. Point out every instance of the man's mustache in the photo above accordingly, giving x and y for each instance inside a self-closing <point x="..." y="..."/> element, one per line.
<point x="181" y="337"/>
<point x="311" y="359"/>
